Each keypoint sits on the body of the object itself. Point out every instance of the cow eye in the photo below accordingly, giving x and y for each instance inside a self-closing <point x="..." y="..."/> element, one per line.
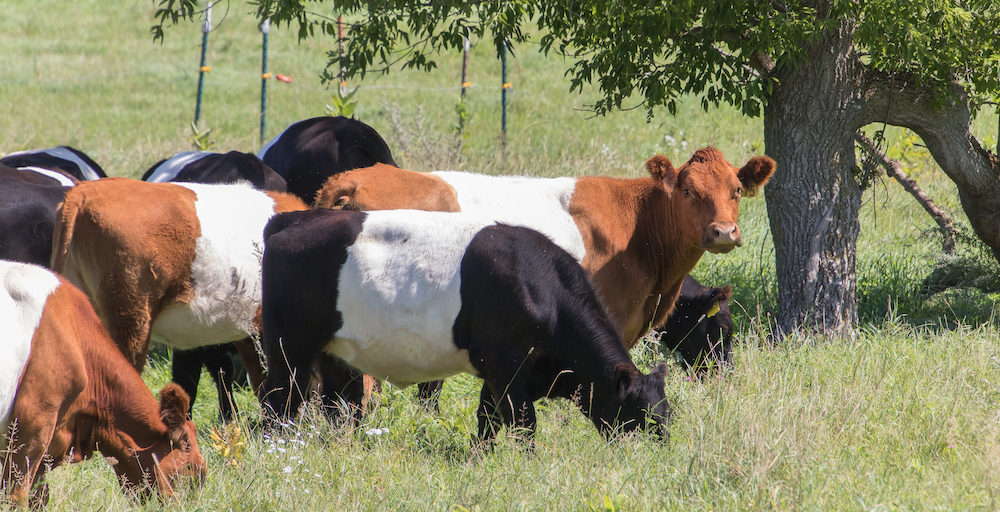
<point x="739" y="192"/>
<point x="687" y="192"/>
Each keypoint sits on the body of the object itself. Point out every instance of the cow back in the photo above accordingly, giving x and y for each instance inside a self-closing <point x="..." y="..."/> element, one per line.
<point x="28" y="203"/>
<point x="64" y="159"/>
<point x="217" y="168"/>
<point x="385" y="187"/>
<point x="541" y="204"/>
<point x="308" y="152"/>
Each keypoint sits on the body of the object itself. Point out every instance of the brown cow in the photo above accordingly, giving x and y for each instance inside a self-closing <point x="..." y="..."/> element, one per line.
<point x="66" y="391"/>
<point x="177" y="263"/>
<point x="637" y="238"/>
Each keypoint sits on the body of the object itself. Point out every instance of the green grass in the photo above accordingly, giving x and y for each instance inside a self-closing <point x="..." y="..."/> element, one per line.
<point x="904" y="416"/>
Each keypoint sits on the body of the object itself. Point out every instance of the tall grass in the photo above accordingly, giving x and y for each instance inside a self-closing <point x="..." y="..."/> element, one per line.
<point x="903" y="416"/>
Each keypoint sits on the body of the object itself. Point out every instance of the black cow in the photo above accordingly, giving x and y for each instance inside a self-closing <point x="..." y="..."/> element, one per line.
<point x="63" y="159"/>
<point x="310" y="151"/>
<point x="413" y="296"/>
<point x="700" y="329"/>
<point x="208" y="167"/>
<point x="28" y="203"/>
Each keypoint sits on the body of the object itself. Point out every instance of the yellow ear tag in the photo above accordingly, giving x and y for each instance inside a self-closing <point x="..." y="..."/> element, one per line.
<point x="712" y="310"/>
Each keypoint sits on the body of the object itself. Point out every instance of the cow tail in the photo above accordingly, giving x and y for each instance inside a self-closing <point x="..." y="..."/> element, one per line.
<point x="63" y="233"/>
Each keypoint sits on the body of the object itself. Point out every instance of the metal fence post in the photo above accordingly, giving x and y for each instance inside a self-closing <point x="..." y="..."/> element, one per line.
<point x="206" y="27"/>
<point x="265" y="27"/>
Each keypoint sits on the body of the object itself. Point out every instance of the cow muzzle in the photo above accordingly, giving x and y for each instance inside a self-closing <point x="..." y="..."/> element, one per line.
<point x="722" y="237"/>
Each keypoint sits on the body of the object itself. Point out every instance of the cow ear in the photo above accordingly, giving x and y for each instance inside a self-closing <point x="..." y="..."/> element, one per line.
<point x="335" y="193"/>
<point x="625" y="376"/>
<point x="660" y="372"/>
<point x="174" y="404"/>
<point x="755" y="174"/>
<point x="724" y="293"/>
<point x="340" y="202"/>
<point x="661" y="169"/>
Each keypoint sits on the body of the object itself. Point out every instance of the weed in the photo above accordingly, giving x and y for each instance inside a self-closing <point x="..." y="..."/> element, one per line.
<point x="342" y="104"/>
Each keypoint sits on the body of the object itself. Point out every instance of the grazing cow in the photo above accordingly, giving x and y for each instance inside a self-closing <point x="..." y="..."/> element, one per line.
<point x="62" y="159"/>
<point x="411" y="296"/>
<point x="309" y="151"/>
<point x="207" y="167"/>
<point x="66" y="391"/>
<point x="700" y="329"/>
<point x="28" y="203"/>
<point x="176" y="263"/>
<point x="637" y="238"/>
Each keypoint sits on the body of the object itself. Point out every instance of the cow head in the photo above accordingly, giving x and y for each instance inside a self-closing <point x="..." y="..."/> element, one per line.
<point x="173" y="456"/>
<point x="700" y="329"/>
<point x="705" y="193"/>
<point x="640" y="402"/>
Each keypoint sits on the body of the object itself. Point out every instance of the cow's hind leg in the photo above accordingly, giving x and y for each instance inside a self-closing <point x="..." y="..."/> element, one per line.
<point x="185" y="370"/>
<point x="222" y="369"/>
<point x="128" y="321"/>
<point x="247" y="349"/>
<point x="289" y="365"/>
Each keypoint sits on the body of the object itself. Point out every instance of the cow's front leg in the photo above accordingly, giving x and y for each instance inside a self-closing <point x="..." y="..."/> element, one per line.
<point x="429" y="394"/>
<point x="486" y="413"/>
<point x="343" y="388"/>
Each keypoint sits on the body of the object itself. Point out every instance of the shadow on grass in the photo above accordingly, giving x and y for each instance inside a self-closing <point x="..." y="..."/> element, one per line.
<point x="955" y="290"/>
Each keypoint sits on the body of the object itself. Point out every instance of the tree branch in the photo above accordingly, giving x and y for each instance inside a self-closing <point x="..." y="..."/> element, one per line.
<point x="895" y="170"/>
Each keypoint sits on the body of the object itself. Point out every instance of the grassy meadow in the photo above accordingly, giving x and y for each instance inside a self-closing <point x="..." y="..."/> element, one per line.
<point x="903" y="416"/>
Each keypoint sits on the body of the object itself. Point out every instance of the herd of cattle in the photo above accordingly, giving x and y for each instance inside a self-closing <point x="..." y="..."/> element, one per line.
<point x="349" y="271"/>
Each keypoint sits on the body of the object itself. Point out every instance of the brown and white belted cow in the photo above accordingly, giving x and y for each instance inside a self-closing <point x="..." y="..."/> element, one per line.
<point x="176" y="263"/>
<point x="637" y="238"/>
<point x="66" y="391"/>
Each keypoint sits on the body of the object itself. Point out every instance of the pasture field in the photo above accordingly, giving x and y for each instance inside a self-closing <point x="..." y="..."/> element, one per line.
<point x="904" y="416"/>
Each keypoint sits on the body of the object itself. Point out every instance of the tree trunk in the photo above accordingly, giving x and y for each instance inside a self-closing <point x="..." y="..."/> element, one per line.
<point x="814" y="198"/>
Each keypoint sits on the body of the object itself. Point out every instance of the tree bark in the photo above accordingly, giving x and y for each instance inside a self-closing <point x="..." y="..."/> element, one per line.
<point x="814" y="198"/>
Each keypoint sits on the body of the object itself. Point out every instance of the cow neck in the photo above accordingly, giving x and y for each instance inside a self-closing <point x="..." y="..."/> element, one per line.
<point x="596" y="348"/>
<point x="630" y="227"/>
<point x="127" y="416"/>
<point x="598" y="352"/>
<point x="676" y="259"/>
